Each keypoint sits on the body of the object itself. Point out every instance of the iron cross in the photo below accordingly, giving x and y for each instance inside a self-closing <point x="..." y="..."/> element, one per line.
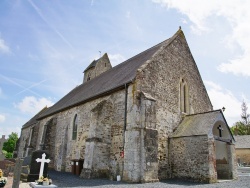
<point x="220" y="130"/>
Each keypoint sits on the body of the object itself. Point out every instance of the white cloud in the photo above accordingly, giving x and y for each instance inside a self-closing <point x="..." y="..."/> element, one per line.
<point x="2" y="118"/>
<point x="33" y="105"/>
<point x="224" y="98"/>
<point x="3" y="47"/>
<point x="204" y="14"/>
<point x="116" y="59"/>
<point x="239" y="66"/>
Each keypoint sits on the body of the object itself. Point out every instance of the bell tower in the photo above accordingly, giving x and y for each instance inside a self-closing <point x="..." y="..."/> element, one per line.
<point x="97" y="67"/>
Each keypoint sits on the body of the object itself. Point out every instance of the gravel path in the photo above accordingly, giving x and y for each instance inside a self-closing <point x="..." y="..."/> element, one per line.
<point x="63" y="179"/>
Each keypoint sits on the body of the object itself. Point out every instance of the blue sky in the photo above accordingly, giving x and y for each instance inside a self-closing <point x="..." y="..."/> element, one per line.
<point x="46" y="45"/>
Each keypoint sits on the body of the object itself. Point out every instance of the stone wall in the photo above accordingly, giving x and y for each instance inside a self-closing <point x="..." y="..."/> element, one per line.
<point x="160" y="77"/>
<point x="23" y="143"/>
<point x="225" y="160"/>
<point x="232" y="161"/>
<point x="141" y="138"/>
<point x="243" y="156"/>
<point x="190" y="159"/>
<point x="107" y="134"/>
<point x="27" y="145"/>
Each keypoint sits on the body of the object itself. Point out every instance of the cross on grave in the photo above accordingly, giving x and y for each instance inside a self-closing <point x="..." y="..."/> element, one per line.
<point x="42" y="161"/>
<point x="220" y="130"/>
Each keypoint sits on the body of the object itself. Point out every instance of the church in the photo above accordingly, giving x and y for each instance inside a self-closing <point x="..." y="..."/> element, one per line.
<point x="146" y="119"/>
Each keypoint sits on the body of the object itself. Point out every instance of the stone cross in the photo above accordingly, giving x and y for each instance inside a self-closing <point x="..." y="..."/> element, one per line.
<point x="42" y="161"/>
<point x="220" y="130"/>
<point x="2" y="140"/>
<point x="17" y="173"/>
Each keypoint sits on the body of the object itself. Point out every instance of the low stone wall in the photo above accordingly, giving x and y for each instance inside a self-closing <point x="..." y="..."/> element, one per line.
<point x="189" y="158"/>
<point x="243" y="156"/>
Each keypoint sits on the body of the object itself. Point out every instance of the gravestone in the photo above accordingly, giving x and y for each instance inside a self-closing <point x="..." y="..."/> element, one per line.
<point x="43" y="161"/>
<point x="2" y="140"/>
<point x="17" y="173"/>
<point x="35" y="166"/>
<point x="25" y="168"/>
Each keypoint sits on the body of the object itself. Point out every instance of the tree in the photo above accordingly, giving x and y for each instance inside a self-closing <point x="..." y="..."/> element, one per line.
<point x="242" y="127"/>
<point x="9" y="145"/>
<point x="244" y="115"/>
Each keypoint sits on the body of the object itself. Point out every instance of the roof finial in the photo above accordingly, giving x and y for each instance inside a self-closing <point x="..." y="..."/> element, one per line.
<point x="179" y="27"/>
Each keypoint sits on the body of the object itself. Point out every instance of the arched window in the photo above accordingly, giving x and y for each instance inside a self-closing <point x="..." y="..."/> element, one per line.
<point x="184" y="97"/>
<point x="74" y="131"/>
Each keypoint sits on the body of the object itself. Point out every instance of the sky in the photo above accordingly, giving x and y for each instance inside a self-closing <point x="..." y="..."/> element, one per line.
<point x="46" y="45"/>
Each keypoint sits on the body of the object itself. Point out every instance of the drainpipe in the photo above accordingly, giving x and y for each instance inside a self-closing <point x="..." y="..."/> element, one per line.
<point x="125" y="111"/>
<point x="125" y="122"/>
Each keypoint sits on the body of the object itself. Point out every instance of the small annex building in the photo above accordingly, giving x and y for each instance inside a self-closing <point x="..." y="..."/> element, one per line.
<point x="146" y="119"/>
<point x="201" y="136"/>
<point x="242" y="148"/>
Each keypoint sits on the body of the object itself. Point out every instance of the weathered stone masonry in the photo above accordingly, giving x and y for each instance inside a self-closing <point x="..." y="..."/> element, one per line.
<point x="97" y="131"/>
<point x="148" y="118"/>
<point x="160" y="77"/>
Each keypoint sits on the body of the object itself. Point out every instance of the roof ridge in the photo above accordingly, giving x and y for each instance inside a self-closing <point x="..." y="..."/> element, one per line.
<point x="127" y="59"/>
<point x="32" y="120"/>
<point x="169" y="39"/>
<point x="108" y="81"/>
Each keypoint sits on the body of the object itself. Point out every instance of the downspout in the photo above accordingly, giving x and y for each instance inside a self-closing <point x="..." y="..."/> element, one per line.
<point x="125" y="112"/>
<point x="125" y="123"/>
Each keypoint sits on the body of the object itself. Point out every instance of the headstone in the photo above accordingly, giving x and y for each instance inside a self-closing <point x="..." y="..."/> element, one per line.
<point x="17" y="173"/>
<point x="35" y="166"/>
<point x="2" y="140"/>
<point x="26" y="161"/>
<point x="25" y="168"/>
<point x="43" y="161"/>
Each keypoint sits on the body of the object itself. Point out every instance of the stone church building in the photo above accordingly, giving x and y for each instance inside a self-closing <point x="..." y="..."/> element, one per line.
<point x="146" y="119"/>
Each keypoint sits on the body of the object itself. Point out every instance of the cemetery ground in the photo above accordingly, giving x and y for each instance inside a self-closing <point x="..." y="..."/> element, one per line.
<point x="63" y="179"/>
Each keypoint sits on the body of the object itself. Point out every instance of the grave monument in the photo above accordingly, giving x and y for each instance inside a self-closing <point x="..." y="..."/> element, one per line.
<point x="35" y="165"/>
<point x="2" y="140"/>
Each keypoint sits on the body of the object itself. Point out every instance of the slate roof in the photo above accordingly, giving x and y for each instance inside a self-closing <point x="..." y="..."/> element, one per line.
<point x="199" y="124"/>
<point x="242" y="141"/>
<point x="33" y="120"/>
<point x="107" y="82"/>
<point x="196" y="124"/>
